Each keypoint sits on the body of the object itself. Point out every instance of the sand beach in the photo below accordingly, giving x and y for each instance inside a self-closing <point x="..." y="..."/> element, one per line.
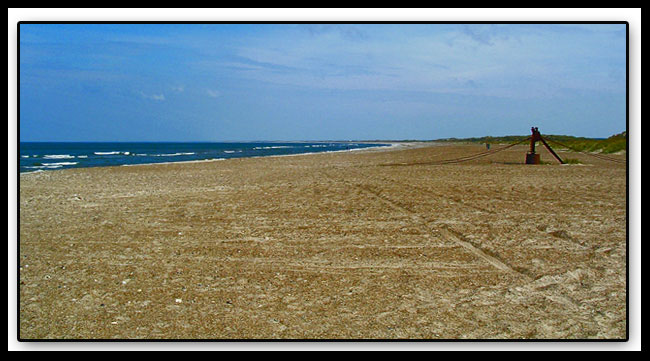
<point x="369" y="244"/>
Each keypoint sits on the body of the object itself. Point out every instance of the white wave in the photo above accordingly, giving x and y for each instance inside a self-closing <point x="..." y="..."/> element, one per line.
<point x="58" y="156"/>
<point x="229" y="151"/>
<point x="82" y="156"/>
<point x="172" y="154"/>
<point x="59" y="164"/>
<point x="115" y="152"/>
<point x="107" y="153"/>
<point x="51" y="165"/>
<point x="44" y="166"/>
<point x="176" y="162"/>
<point x="274" y="147"/>
<point x="24" y="156"/>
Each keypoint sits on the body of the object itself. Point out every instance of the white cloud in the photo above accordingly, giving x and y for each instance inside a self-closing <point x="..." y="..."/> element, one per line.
<point x="156" y="97"/>
<point x="213" y="93"/>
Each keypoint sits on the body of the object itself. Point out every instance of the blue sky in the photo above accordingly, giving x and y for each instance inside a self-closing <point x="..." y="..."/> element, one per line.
<point x="238" y="82"/>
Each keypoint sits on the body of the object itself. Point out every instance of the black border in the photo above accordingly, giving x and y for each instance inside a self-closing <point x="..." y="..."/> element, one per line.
<point x="627" y="227"/>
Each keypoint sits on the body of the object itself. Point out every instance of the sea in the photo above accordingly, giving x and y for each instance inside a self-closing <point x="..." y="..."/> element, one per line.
<point x="45" y="156"/>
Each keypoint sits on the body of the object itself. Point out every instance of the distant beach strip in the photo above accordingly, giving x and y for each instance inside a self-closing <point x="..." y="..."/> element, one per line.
<point x="42" y="156"/>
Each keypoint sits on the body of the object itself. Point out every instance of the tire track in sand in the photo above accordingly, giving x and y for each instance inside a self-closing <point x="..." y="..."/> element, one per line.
<point x="447" y="232"/>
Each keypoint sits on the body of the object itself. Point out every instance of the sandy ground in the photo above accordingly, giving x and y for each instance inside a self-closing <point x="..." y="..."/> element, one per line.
<point x="345" y="245"/>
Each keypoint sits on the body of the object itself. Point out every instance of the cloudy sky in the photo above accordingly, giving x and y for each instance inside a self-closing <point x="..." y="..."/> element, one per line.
<point x="235" y="82"/>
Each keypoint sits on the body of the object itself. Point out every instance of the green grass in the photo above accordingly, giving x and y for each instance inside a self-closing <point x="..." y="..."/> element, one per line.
<point x="572" y="161"/>
<point x="613" y="144"/>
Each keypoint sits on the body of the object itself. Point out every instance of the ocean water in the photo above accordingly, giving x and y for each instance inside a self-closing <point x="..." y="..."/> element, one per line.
<point x="42" y="156"/>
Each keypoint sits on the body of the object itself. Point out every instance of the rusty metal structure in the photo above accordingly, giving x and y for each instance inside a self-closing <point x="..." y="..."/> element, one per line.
<point x="531" y="156"/>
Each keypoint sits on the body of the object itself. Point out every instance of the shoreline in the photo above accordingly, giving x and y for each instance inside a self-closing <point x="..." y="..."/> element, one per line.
<point x="392" y="146"/>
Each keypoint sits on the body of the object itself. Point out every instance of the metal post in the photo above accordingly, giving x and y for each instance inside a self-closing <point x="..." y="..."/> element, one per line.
<point x="531" y="156"/>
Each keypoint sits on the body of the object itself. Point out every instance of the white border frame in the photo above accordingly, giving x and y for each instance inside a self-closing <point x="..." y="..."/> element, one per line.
<point x="631" y="15"/>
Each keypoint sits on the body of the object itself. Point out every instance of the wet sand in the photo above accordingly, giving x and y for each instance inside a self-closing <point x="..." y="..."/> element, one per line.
<point x="350" y="245"/>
